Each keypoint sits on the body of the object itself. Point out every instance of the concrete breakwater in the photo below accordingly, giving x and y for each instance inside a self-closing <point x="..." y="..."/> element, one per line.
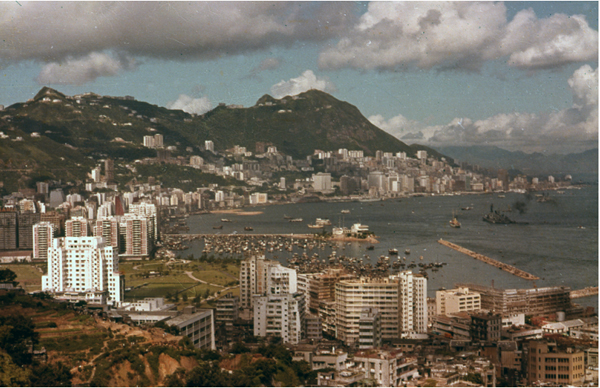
<point x="498" y="264"/>
<point x="588" y="291"/>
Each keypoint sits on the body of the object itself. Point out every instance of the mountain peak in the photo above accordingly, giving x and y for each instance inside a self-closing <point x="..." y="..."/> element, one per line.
<point x="48" y="92"/>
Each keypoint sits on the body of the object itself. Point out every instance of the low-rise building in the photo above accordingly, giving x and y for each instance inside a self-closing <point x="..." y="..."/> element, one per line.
<point x="549" y="364"/>
<point x="198" y="326"/>
<point x="388" y="368"/>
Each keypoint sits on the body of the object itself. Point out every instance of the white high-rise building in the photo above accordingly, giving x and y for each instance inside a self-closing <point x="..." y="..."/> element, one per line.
<point x="209" y="145"/>
<point x="322" y="181"/>
<point x="280" y="315"/>
<point x="412" y="305"/>
<point x="261" y="276"/>
<point x="147" y="210"/>
<point x="149" y="141"/>
<point x="258" y="198"/>
<point x="43" y="233"/>
<point x="83" y="268"/>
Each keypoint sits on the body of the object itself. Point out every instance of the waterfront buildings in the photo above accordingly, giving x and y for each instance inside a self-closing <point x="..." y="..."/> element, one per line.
<point x="531" y="301"/>
<point x="83" y="268"/>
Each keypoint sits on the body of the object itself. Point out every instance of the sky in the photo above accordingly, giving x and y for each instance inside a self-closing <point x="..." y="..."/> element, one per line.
<point x="522" y="76"/>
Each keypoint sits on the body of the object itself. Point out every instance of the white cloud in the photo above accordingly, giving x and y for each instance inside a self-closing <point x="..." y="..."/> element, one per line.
<point x="391" y="35"/>
<point x="569" y="130"/>
<point x="191" y="105"/>
<point x="308" y="80"/>
<point x="77" y="71"/>
<point x="52" y="31"/>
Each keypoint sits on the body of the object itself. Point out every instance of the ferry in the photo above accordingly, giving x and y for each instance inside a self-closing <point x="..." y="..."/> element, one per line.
<point x="248" y="228"/>
<point x="296" y="220"/>
<point x="393" y="251"/>
<point x="225" y="220"/>
<point x="345" y="211"/>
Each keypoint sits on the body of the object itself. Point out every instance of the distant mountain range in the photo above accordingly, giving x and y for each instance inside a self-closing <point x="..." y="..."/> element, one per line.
<point x="54" y="136"/>
<point x="531" y="164"/>
<point x="58" y="136"/>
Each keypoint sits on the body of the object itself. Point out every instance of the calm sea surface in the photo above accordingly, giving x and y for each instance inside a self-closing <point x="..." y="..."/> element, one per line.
<point x="559" y="243"/>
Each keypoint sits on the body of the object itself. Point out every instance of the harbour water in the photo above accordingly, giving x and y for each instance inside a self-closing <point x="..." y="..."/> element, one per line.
<point x="556" y="240"/>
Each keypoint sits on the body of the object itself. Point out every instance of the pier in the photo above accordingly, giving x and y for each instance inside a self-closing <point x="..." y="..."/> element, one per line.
<point x="588" y="291"/>
<point x="498" y="264"/>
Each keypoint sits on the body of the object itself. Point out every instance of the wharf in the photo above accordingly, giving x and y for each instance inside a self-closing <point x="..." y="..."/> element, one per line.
<point x="506" y="267"/>
<point x="588" y="291"/>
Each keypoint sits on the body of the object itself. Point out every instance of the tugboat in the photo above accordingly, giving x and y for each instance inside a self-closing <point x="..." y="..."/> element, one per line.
<point x="454" y="222"/>
<point x="370" y="247"/>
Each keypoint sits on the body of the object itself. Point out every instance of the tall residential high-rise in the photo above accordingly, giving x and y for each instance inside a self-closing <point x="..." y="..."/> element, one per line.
<point x="109" y="170"/>
<point x="322" y="181"/>
<point x="209" y="145"/>
<point x="412" y="305"/>
<point x="8" y="230"/>
<point x="108" y="228"/>
<point x="83" y="268"/>
<point x="280" y="315"/>
<point x="137" y="236"/>
<point x="25" y="222"/>
<point x="354" y="295"/>
<point x="255" y="279"/>
<point x="76" y="227"/>
<point x="43" y="233"/>
<point x="149" y="211"/>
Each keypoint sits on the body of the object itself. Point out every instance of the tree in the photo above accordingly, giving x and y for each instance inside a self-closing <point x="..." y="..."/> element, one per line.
<point x="10" y="374"/>
<point x="51" y="375"/>
<point x="206" y="375"/>
<point x="8" y="276"/>
<point x="16" y="336"/>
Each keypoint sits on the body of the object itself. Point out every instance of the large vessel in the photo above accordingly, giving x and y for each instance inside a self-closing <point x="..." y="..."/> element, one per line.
<point x="495" y="217"/>
<point x="320" y="223"/>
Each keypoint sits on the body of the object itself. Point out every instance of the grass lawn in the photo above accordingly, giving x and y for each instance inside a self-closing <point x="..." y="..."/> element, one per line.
<point x="28" y="275"/>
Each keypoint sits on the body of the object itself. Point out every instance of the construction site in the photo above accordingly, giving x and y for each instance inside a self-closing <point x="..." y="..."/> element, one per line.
<point x="530" y="301"/>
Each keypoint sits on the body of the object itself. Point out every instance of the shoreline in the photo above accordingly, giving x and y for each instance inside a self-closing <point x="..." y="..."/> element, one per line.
<point x="239" y="212"/>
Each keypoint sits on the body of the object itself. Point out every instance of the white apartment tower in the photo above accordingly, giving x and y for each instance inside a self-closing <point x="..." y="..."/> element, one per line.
<point x="280" y="315"/>
<point x="209" y="145"/>
<point x="43" y="233"/>
<point x="412" y="305"/>
<point x="83" y="268"/>
<point x="260" y="276"/>
<point x="322" y="181"/>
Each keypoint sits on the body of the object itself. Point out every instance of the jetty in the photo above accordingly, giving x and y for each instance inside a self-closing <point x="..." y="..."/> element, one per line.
<point x="588" y="291"/>
<point x="488" y="260"/>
